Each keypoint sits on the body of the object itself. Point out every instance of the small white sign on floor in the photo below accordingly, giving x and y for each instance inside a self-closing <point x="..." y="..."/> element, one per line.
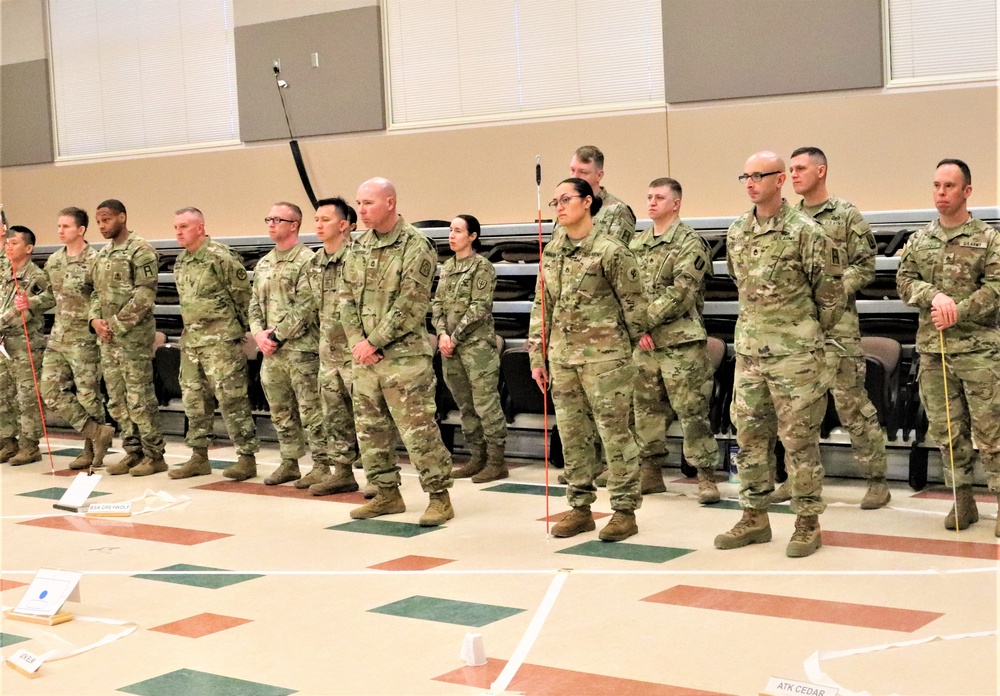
<point x="48" y="591"/>
<point x="25" y="662"/>
<point x="782" y="687"/>
<point x="78" y="492"/>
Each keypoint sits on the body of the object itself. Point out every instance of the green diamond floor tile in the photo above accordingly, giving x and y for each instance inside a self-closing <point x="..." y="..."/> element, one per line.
<point x="527" y="489"/>
<point x="627" y="552"/>
<point x="189" y="682"/>
<point x="210" y="581"/>
<point x="384" y="528"/>
<point x="10" y="639"/>
<point x="735" y="505"/>
<point x="55" y="493"/>
<point x="447" y="611"/>
<point x="220" y="464"/>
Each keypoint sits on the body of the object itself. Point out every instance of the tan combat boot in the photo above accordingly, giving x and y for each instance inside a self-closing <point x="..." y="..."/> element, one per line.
<point x="806" y="538"/>
<point x="197" y="465"/>
<point x="86" y="458"/>
<point x="8" y="448"/>
<point x="123" y="466"/>
<point x="340" y="481"/>
<point x="387" y="501"/>
<point x="149" y="466"/>
<point x="782" y="494"/>
<point x="964" y="512"/>
<point x="439" y="510"/>
<point x="877" y="496"/>
<point x="244" y="468"/>
<point x="371" y="490"/>
<point x="27" y="453"/>
<point x="476" y="463"/>
<point x="708" y="491"/>
<point x="288" y="471"/>
<point x="496" y="466"/>
<point x="579" y="520"/>
<point x="621" y="526"/>
<point x="651" y="478"/>
<point x="319" y="472"/>
<point x="753" y="528"/>
<point x="100" y="436"/>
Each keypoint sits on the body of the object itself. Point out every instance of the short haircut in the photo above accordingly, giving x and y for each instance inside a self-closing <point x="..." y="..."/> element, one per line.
<point x="28" y="235"/>
<point x="813" y="152"/>
<point x="591" y="153"/>
<point x="79" y="215"/>
<point x="190" y="209"/>
<point x="583" y="189"/>
<point x="671" y="184"/>
<point x="296" y="210"/>
<point x="3" y="217"/>
<point x="114" y="205"/>
<point x="966" y="172"/>
<point x="337" y="202"/>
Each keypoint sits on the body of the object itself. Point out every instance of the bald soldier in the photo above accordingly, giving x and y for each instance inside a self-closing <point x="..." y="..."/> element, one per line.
<point x="385" y="295"/>
<point x="790" y="293"/>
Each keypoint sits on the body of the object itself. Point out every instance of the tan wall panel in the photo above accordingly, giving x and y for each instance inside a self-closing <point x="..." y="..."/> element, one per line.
<point x="882" y="147"/>
<point x="22" y="31"/>
<point x="247" y="12"/>
<point x="488" y="172"/>
<point x="26" y="137"/>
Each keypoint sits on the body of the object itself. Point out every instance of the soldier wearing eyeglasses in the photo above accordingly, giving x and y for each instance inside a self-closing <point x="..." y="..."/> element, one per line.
<point x="791" y="294"/>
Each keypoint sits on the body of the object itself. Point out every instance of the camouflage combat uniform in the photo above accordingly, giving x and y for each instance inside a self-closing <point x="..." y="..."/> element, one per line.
<point x="71" y="366"/>
<point x="282" y="298"/>
<point x="125" y="279"/>
<point x="851" y="234"/>
<point x="676" y="376"/>
<point x="31" y="281"/>
<point x="595" y="314"/>
<point x="463" y="309"/>
<point x="614" y="217"/>
<point x="336" y="372"/>
<point x="790" y="293"/>
<point x="9" y="417"/>
<point x="963" y="263"/>
<point x="214" y="296"/>
<point x="384" y="298"/>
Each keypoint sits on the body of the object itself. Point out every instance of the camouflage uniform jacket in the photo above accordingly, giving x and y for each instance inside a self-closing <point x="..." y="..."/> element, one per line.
<point x="282" y="298"/>
<point x="788" y="277"/>
<point x="964" y="264"/>
<point x="614" y="217"/>
<point x="463" y="303"/>
<point x="851" y="234"/>
<point x="73" y="286"/>
<point x="125" y="278"/>
<point x="673" y="269"/>
<point x="324" y="277"/>
<point x="386" y="290"/>
<point x="214" y="294"/>
<point x="595" y="308"/>
<point x="35" y="284"/>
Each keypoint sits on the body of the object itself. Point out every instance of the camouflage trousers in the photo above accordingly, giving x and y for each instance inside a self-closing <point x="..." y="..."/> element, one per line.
<point x="400" y="390"/>
<point x="857" y="413"/>
<point x="71" y="382"/>
<point x="30" y="421"/>
<point x="780" y="396"/>
<point x="675" y="381"/>
<point x="593" y="401"/>
<point x="217" y="371"/>
<point x="336" y="377"/>
<point x="9" y="416"/>
<point x="974" y="406"/>
<point x="128" y="375"/>
<point x="291" y="384"/>
<point x="472" y="374"/>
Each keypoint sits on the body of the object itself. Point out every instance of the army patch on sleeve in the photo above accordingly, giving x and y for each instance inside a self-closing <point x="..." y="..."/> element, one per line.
<point x="481" y="284"/>
<point x="633" y="274"/>
<point x="148" y="271"/>
<point x="241" y="273"/>
<point x="871" y="241"/>
<point x="699" y="263"/>
<point x="425" y="268"/>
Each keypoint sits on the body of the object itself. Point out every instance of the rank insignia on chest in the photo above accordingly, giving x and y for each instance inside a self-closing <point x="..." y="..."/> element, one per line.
<point x="755" y="252"/>
<point x="328" y="284"/>
<point x="117" y="276"/>
<point x="372" y="263"/>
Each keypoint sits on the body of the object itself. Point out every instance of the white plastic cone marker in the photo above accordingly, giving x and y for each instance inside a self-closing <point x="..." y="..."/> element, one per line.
<point x="473" y="650"/>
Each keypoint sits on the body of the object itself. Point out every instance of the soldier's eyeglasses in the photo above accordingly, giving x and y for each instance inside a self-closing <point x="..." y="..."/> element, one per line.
<point x="556" y="202"/>
<point x="276" y="221"/>
<point x="756" y="176"/>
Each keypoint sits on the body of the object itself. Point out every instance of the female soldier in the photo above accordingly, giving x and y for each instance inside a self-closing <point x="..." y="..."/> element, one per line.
<point x="462" y="315"/>
<point x="594" y="315"/>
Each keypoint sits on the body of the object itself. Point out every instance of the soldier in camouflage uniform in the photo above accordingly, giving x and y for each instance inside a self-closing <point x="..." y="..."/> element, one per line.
<point x="614" y="217"/>
<point x="788" y="277"/>
<point x="9" y="420"/>
<point x="675" y="373"/>
<point x="121" y="314"/>
<point x="336" y="378"/>
<point x="594" y="315"/>
<point x="285" y="324"/>
<point x="24" y="297"/>
<point x="214" y="296"/>
<point x="849" y="233"/>
<point x="385" y="295"/>
<point x="463" y="318"/>
<point x="71" y="366"/>
<point x="951" y="272"/>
